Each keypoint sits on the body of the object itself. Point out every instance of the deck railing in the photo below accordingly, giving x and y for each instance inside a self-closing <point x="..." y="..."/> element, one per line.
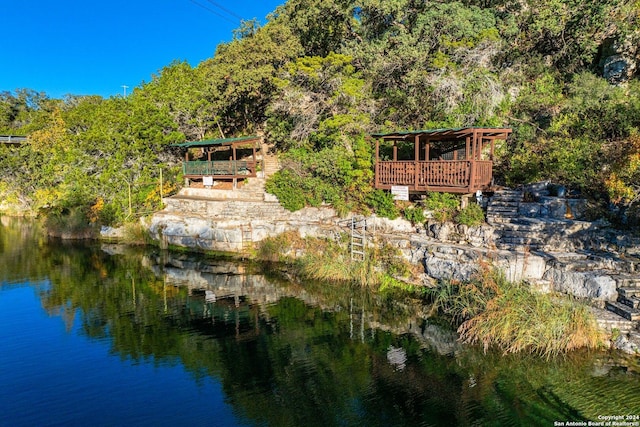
<point x="219" y="168"/>
<point x="441" y="174"/>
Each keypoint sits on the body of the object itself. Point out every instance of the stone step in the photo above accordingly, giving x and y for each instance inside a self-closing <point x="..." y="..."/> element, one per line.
<point x="501" y="209"/>
<point x="628" y="280"/>
<point x="506" y="198"/>
<point x="608" y="321"/>
<point x="520" y="232"/>
<point x="629" y="292"/>
<point x="510" y="214"/>
<point x="623" y="310"/>
<point x="504" y="202"/>
<point x="507" y="193"/>
<point x="523" y="240"/>
<point x="633" y="302"/>
<point x="495" y="220"/>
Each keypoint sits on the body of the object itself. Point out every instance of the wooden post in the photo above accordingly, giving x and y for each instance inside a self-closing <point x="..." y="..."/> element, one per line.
<point x="416" y="162"/>
<point x="255" y="161"/>
<point x="376" y="167"/>
<point x="467" y="151"/>
<point x="472" y="162"/>
<point x="395" y="151"/>
<point x="130" y="209"/>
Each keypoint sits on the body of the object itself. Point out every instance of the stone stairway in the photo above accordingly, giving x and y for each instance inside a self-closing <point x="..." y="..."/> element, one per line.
<point x="224" y="208"/>
<point x="503" y="206"/>
<point x="628" y="303"/>
<point x="270" y="161"/>
<point x="518" y="232"/>
<point x="514" y="232"/>
<point x="553" y="236"/>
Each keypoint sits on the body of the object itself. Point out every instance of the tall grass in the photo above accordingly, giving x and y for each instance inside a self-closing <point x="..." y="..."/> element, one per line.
<point x="330" y="260"/>
<point x="493" y="311"/>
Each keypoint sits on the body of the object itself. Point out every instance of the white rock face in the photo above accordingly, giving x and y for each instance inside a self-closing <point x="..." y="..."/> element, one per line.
<point x="232" y="225"/>
<point x="595" y="285"/>
<point x="446" y="251"/>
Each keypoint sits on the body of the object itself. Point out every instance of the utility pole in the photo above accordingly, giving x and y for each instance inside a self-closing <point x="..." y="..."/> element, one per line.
<point x="124" y="88"/>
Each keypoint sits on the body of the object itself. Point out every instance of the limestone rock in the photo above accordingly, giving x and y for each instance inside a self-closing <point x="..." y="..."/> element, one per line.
<point x="595" y="285"/>
<point x="627" y="345"/>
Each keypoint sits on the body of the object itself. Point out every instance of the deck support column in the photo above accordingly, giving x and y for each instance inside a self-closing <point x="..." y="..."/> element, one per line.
<point x="467" y="148"/>
<point x="376" y="167"/>
<point x="416" y="162"/>
<point x="426" y="150"/>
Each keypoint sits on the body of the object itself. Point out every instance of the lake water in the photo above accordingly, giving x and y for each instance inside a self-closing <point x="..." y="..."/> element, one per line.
<point x="104" y="335"/>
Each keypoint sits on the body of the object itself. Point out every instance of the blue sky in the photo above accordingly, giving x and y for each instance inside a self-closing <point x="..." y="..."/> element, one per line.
<point x="95" y="47"/>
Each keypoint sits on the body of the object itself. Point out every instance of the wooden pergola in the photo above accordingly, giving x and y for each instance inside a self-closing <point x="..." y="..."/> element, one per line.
<point x="222" y="162"/>
<point x="442" y="160"/>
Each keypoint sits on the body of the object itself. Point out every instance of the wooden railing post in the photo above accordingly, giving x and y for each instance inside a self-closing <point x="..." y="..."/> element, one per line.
<point x="472" y="176"/>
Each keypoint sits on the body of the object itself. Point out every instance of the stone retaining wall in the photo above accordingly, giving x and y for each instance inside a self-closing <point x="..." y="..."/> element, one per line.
<point x="446" y="251"/>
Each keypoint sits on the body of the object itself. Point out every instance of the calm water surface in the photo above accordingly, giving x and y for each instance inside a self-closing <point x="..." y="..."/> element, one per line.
<point x="105" y="335"/>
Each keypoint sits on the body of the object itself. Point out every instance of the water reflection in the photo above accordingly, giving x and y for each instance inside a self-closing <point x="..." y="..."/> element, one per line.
<point x="291" y="353"/>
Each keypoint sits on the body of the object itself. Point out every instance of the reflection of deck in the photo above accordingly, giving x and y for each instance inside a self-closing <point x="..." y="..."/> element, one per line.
<point x="455" y="176"/>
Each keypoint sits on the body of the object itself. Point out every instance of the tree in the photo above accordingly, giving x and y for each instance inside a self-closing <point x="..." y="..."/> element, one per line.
<point x="239" y="79"/>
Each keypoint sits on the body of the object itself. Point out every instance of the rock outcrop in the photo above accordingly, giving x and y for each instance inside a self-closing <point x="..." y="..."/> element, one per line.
<point x="578" y="258"/>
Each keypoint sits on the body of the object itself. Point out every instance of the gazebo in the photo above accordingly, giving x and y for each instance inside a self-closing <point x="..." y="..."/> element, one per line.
<point x="443" y="160"/>
<point x="221" y="159"/>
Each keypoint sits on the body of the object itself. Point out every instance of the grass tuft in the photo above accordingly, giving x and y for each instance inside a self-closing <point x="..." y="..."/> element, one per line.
<point x="494" y="312"/>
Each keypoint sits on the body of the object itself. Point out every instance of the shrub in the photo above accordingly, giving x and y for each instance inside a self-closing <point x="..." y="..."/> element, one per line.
<point x="442" y="205"/>
<point x="383" y="204"/>
<point x="287" y="187"/>
<point x="415" y="214"/>
<point x="471" y="215"/>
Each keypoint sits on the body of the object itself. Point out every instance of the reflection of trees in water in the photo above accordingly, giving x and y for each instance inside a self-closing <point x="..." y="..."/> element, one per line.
<point x="307" y="354"/>
<point x="19" y="240"/>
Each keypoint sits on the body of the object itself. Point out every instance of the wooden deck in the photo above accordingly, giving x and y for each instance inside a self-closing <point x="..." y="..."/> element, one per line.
<point x="455" y="176"/>
<point x="456" y="160"/>
<point x="224" y="169"/>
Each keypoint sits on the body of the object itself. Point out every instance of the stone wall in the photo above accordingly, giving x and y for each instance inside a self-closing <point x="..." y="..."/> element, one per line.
<point x="447" y="251"/>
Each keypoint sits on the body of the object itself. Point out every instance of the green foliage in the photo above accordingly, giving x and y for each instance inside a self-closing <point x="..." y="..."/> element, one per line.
<point x="442" y="205"/>
<point x="383" y="204"/>
<point x="240" y="78"/>
<point x="415" y="214"/>
<point x="322" y="74"/>
<point x="331" y="175"/>
<point x="471" y="215"/>
<point x="322" y="103"/>
<point x="286" y="185"/>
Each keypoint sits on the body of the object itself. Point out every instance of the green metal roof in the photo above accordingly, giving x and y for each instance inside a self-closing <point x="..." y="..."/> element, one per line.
<point x="212" y="142"/>
<point x="441" y="132"/>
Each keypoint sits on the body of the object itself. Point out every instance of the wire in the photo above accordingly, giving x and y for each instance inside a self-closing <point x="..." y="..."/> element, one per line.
<point x="214" y="12"/>
<point x="219" y="6"/>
